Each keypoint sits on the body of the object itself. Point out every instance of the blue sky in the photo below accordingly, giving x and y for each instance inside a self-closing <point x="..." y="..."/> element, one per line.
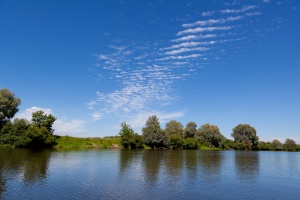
<point x="95" y="64"/>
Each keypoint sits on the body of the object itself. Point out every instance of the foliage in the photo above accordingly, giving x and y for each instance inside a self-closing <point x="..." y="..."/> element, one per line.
<point x="21" y="133"/>
<point x="228" y="144"/>
<point x="8" y="105"/>
<point x="277" y="145"/>
<point x="289" y="145"/>
<point x="13" y="133"/>
<point x="40" y="119"/>
<point x="239" y="146"/>
<point x="265" y="146"/>
<point x="153" y="135"/>
<point x="212" y="134"/>
<point x="127" y="136"/>
<point x="190" y="130"/>
<point x="246" y="134"/>
<point x="176" y="141"/>
<point x="191" y="143"/>
<point x="174" y="127"/>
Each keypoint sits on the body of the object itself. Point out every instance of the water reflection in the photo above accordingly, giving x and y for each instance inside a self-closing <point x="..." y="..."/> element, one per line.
<point x="151" y="164"/>
<point x="173" y="162"/>
<point x="29" y="166"/>
<point x="210" y="162"/>
<point x="126" y="159"/>
<point x="191" y="163"/>
<point x="247" y="166"/>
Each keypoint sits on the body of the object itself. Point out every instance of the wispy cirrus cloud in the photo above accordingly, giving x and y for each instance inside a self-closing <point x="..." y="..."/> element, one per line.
<point x="243" y="9"/>
<point x="203" y="29"/>
<point x="210" y="22"/>
<point x="144" y="74"/>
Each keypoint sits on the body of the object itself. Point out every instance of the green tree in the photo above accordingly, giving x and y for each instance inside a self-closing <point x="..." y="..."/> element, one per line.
<point x="40" y="132"/>
<point x="39" y="137"/>
<point x="289" y="145"/>
<point x="127" y="136"/>
<point x="174" y="127"/>
<point x="176" y="141"/>
<point x="191" y="143"/>
<point x="265" y="146"/>
<point x="8" y="105"/>
<point x="13" y="133"/>
<point x="190" y="130"/>
<point x="246" y="134"/>
<point x="277" y="145"/>
<point x="211" y="134"/>
<point x="40" y="119"/>
<point x="153" y="135"/>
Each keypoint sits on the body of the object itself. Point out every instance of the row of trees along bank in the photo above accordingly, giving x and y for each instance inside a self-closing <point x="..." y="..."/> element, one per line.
<point x="175" y="136"/>
<point x="20" y="132"/>
<point x="39" y="133"/>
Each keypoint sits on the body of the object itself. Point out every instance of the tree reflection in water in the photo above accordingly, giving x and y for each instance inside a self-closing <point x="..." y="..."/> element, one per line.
<point x="173" y="162"/>
<point x="191" y="163"/>
<point x="30" y="165"/>
<point x="210" y="162"/>
<point x="151" y="164"/>
<point x="247" y="166"/>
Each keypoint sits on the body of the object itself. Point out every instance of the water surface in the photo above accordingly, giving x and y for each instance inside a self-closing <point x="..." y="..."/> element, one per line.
<point x="148" y="174"/>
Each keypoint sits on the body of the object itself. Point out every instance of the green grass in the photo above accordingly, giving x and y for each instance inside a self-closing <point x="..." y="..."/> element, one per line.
<point x="76" y="142"/>
<point x="209" y="148"/>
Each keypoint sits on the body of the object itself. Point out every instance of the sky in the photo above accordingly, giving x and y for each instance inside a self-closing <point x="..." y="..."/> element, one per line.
<point x="95" y="64"/>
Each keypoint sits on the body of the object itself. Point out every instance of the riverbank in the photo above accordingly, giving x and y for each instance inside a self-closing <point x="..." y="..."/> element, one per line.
<point x="76" y="142"/>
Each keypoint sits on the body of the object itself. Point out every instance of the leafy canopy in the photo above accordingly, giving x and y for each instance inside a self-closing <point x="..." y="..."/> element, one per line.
<point x="8" y="105"/>
<point x="153" y="135"/>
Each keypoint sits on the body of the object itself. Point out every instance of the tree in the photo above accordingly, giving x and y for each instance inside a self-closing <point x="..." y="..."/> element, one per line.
<point x="191" y="143"/>
<point x="40" y="119"/>
<point x="289" y="145"/>
<point x="211" y="134"/>
<point x="174" y="127"/>
<point x="153" y="135"/>
<point x="40" y="132"/>
<point x="8" y="105"/>
<point x="190" y="130"/>
<point x="277" y="145"/>
<point x="13" y="133"/>
<point x="246" y="134"/>
<point x="176" y="141"/>
<point x="127" y="135"/>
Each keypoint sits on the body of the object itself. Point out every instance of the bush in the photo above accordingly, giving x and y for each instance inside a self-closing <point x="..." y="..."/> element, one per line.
<point x="176" y="141"/>
<point x="191" y="143"/>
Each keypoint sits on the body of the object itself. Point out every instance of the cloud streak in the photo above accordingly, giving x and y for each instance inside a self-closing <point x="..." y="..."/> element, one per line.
<point x="144" y="74"/>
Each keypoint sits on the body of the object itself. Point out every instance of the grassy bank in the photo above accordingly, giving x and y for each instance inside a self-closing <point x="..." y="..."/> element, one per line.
<point x="75" y="142"/>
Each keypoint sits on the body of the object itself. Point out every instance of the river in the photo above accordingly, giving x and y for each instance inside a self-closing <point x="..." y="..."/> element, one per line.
<point x="148" y="174"/>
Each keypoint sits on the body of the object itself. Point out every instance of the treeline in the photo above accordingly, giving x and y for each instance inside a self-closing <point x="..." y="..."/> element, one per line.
<point x="207" y="136"/>
<point x="22" y="133"/>
<point x="38" y="132"/>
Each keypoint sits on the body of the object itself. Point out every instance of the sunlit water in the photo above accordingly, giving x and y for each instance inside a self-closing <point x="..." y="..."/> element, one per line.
<point x="148" y="174"/>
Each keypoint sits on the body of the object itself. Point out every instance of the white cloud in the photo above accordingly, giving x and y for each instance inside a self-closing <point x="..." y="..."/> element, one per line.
<point x="139" y="120"/>
<point x="183" y="50"/>
<point x="27" y="114"/>
<point x="193" y="37"/>
<point x="203" y="29"/>
<point x="180" y="57"/>
<point x="206" y="14"/>
<point x="96" y="116"/>
<point x="210" y="22"/>
<point x="69" y="127"/>
<point x="62" y="126"/>
<point x="253" y="13"/>
<point x="245" y="8"/>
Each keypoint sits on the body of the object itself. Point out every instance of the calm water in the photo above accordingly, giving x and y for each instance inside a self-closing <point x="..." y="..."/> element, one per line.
<point x="148" y="174"/>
